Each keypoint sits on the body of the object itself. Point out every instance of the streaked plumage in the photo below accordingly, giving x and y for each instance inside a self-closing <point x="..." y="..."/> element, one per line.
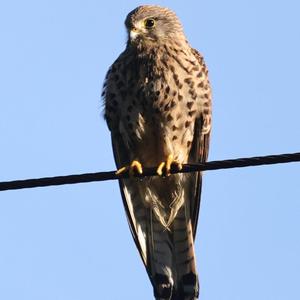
<point x="158" y="105"/>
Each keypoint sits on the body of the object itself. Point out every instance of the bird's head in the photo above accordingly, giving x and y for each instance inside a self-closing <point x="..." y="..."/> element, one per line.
<point x="150" y="24"/>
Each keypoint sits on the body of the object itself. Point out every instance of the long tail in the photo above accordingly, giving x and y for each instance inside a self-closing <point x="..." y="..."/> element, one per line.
<point x="187" y="285"/>
<point x="167" y="252"/>
<point x="160" y="248"/>
<point x="173" y="266"/>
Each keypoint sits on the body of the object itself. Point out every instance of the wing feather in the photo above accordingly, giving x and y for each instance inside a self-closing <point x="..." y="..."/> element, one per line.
<point x="198" y="154"/>
<point x="129" y="188"/>
<point x="199" y="149"/>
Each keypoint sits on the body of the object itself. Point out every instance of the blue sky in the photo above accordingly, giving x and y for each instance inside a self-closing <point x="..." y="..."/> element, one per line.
<point x="72" y="242"/>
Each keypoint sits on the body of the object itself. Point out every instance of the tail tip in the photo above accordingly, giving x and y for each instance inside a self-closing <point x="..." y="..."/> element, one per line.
<point x="189" y="286"/>
<point x="163" y="287"/>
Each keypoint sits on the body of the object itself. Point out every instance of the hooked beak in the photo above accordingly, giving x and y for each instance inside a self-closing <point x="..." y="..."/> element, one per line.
<point x="133" y="33"/>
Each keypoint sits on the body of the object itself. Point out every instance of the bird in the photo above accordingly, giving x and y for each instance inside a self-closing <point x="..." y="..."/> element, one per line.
<point x="157" y="105"/>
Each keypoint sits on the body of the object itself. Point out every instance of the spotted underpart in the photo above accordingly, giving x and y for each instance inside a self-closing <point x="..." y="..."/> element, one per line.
<point x="158" y="103"/>
<point x="159" y="97"/>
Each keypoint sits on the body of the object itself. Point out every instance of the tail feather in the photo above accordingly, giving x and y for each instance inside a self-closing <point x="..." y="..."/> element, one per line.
<point x="167" y="252"/>
<point x="172" y="257"/>
<point x="187" y="285"/>
<point x="160" y="259"/>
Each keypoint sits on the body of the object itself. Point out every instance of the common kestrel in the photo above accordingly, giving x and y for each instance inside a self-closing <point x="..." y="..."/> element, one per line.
<point x="158" y="108"/>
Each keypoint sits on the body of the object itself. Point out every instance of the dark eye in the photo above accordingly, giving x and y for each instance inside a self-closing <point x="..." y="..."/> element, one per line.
<point x="149" y="23"/>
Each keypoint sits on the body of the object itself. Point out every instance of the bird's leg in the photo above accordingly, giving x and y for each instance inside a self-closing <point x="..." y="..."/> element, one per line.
<point x="164" y="168"/>
<point x="135" y="168"/>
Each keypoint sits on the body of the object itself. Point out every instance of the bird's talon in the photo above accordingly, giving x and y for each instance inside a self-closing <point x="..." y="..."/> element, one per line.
<point x="135" y="168"/>
<point x="121" y="170"/>
<point x="169" y="162"/>
<point x="165" y="168"/>
<point x="159" y="169"/>
<point x="178" y="166"/>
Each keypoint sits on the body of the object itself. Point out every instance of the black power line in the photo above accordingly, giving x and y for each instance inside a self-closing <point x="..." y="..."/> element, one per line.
<point x="101" y="176"/>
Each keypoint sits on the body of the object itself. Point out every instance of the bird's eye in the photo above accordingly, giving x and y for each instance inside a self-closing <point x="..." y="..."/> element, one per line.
<point x="149" y="23"/>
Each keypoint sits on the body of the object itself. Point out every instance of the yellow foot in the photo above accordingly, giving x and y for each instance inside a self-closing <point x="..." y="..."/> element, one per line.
<point x="164" y="168"/>
<point x="135" y="168"/>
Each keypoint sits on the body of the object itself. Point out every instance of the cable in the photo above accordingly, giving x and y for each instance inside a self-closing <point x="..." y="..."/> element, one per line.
<point x="102" y="176"/>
